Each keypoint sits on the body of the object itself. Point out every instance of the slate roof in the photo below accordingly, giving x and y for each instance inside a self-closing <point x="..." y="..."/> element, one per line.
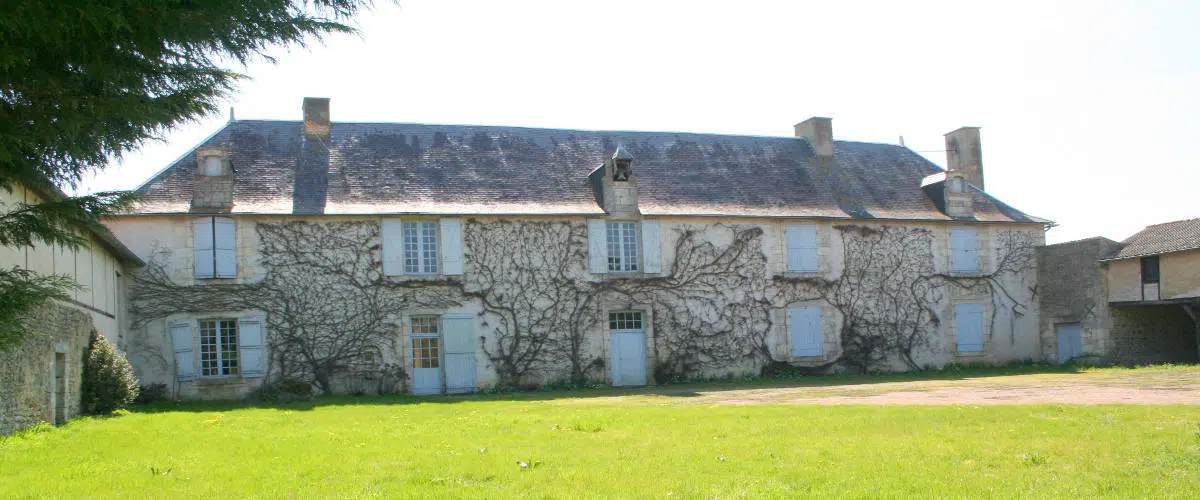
<point x="1161" y="238"/>
<point x="379" y="168"/>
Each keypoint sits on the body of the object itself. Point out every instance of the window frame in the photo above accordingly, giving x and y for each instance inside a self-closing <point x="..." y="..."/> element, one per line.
<point x="427" y="249"/>
<point x="429" y="339"/>
<point x="815" y="249"/>
<point x="634" y="319"/>
<point x="221" y="349"/>
<point x="211" y="225"/>
<point x="983" y="329"/>
<point x="978" y="263"/>
<point x="625" y="257"/>
<point x="1150" y="262"/>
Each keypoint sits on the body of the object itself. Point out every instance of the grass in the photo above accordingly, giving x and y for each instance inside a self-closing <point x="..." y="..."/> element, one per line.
<point x="636" y="445"/>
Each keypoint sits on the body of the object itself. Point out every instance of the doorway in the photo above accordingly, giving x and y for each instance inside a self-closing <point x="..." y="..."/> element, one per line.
<point x="443" y="354"/>
<point x="60" y="388"/>
<point x="628" y="349"/>
<point x="1070" y="341"/>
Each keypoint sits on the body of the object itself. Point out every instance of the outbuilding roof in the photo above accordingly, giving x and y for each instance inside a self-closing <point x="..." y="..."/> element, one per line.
<point x="1162" y="238"/>
<point x="400" y="168"/>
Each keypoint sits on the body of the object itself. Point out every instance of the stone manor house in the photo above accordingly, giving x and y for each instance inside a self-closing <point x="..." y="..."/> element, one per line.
<point x="432" y="259"/>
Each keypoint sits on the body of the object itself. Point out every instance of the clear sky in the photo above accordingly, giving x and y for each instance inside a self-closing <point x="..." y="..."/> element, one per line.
<point x="1087" y="107"/>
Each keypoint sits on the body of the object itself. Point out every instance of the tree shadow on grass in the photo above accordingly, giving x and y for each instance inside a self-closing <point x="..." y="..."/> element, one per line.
<point x="683" y="389"/>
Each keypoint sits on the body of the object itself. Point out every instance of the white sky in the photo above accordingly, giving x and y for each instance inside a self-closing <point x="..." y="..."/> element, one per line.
<point x="1087" y="107"/>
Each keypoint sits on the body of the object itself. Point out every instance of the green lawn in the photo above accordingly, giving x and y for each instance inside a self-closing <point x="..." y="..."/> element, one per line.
<point x="638" y="445"/>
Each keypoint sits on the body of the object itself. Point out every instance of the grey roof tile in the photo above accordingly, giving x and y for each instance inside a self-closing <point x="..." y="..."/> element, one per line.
<point x="1161" y="238"/>
<point x="375" y="168"/>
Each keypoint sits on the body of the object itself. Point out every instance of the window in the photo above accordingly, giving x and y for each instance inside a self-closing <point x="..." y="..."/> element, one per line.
<point x="807" y="336"/>
<point x="625" y="320"/>
<point x="426" y="342"/>
<point x="1150" y="269"/>
<point x="213" y="166"/>
<point x="218" y="347"/>
<point x="420" y="247"/>
<point x="622" y="247"/>
<point x="215" y="244"/>
<point x="964" y="250"/>
<point x="957" y="185"/>
<point x="802" y="248"/>
<point x="968" y="327"/>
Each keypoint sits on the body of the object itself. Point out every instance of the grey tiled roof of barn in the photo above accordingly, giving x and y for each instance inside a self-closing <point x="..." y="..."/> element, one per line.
<point x="1162" y="238"/>
<point x="376" y="168"/>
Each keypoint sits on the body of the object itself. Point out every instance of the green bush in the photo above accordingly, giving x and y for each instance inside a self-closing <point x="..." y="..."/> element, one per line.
<point x="285" y="390"/>
<point x="153" y="393"/>
<point x="108" y="383"/>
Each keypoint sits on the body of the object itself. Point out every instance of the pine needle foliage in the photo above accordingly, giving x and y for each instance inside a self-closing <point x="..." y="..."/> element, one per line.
<point x="83" y="82"/>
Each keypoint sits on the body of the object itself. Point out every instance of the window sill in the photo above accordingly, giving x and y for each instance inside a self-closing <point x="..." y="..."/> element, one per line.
<point x="971" y="354"/>
<point x="219" y="380"/>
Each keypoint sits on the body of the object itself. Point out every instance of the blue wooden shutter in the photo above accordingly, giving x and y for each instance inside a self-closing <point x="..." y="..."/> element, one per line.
<point x="202" y="242"/>
<point x="802" y="248"/>
<point x="452" y="262"/>
<point x="183" y="345"/>
<point x="225" y="245"/>
<point x="251" y="338"/>
<point x="964" y="250"/>
<point x="597" y="246"/>
<point x="968" y="327"/>
<point x="393" y="247"/>
<point x="651" y="247"/>
<point x="807" y="338"/>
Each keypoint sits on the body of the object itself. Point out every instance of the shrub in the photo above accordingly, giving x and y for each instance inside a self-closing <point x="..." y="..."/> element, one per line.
<point x="285" y="390"/>
<point x="153" y="393"/>
<point x="108" y="383"/>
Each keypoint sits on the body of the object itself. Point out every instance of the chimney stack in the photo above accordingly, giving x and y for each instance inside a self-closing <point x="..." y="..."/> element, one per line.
<point x="818" y="132"/>
<point x="963" y="154"/>
<point x="316" y="117"/>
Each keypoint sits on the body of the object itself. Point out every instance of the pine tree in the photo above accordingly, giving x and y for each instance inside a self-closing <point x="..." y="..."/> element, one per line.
<point x="85" y="81"/>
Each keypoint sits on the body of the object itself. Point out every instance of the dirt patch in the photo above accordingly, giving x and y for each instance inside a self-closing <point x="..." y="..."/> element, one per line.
<point x="1176" y="388"/>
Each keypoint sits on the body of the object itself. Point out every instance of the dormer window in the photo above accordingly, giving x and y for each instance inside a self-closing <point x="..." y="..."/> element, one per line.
<point x="958" y="185"/>
<point x="213" y="166"/>
<point x="212" y="162"/>
<point x="622" y="165"/>
<point x="623" y="171"/>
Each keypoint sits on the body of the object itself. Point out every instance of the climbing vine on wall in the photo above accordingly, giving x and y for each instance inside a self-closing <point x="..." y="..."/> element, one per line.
<point x="888" y="293"/>
<point x="326" y="300"/>
<point x="329" y="306"/>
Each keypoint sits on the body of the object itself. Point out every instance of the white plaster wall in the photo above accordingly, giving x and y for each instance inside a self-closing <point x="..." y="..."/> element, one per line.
<point x="92" y="265"/>
<point x="1008" y="336"/>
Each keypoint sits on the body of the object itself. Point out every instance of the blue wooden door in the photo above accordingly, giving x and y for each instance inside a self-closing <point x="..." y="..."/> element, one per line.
<point x="628" y="357"/>
<point x="458" y="331"/>
<point x="427" y="365"/>
<point x="1070" y="341"/>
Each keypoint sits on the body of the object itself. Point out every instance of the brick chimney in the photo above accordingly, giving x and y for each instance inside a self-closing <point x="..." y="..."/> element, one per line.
<point x="963" y="154"/>
<point x="316" y="117"/>
<point x="818" y="131"/>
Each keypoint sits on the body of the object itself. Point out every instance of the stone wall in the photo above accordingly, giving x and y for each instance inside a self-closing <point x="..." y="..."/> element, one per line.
<point x="731" y="311"/>
<point x="27" y="372"/>
<point x="1153" y="334"/>
<point x="1072" y="290"/>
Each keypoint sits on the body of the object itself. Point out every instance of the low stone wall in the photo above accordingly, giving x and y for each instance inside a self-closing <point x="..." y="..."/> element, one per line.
<point x="27" y="375"/>
<point x="1152" y="334"/>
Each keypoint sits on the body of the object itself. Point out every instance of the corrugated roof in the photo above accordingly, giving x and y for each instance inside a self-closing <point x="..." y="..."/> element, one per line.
<point x="1161" y="238"/>
<point x="376" y="168"/>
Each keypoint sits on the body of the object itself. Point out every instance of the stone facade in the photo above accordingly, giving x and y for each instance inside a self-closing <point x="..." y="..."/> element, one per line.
<point x="1079" y="286"/>
<point x="1153" y="334"/>
<point x="1010" y="331"/>
<point x="1073" y="290"/>
<point x="27" y="373"/>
